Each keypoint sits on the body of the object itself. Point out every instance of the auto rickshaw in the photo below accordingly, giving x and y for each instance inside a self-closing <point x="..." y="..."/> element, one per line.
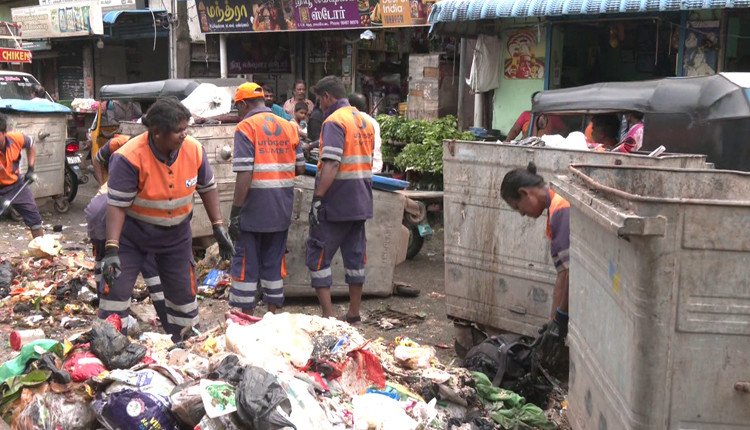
<point x="697" y="115"/>
<point x="142" y="95"/>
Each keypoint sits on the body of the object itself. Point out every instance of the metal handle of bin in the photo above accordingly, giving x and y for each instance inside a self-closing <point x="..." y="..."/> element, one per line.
<point x="225" y="153"/>
<point x="42" y="135"/>
<point x="607" y="214"/>
<point x="742" y="386"/>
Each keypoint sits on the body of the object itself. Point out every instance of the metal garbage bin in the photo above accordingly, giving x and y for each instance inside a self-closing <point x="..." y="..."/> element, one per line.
<point x="387" y="239"/>
<point x="659" y="298"/>
<point x="498" y="269"/>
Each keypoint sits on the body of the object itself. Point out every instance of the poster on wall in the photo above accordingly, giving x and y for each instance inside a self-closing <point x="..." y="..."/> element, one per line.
<point x="59" y="20"/>
<point x="247" y="56"/>
<point x="701" y="48"/>
<point x="524" y="53"/>
<point x="228" y="16"/>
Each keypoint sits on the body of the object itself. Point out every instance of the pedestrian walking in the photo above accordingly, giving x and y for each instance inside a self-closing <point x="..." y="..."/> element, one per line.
<point x="12" y="144"/>
<point x="342" y="199"/>
<point x="150" y="203"/>
<point x="267" y="156"/>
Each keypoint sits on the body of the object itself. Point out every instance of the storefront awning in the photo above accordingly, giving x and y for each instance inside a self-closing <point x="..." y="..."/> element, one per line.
<point x="112" y="16"/>
<point x="136" y="24"/>
<point x="462" y="16"/>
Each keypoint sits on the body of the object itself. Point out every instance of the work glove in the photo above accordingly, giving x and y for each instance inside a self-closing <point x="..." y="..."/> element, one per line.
<point x="111" y="268"/>
<point x="31" y="177"/>
<point x="314" y="211"/>
<point x="234" y="223"/>
<point x="551" y="340"/>
<point x="226" y="249"/>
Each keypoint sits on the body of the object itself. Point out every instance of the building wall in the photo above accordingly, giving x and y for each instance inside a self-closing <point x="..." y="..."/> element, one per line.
<point x="6" y="6"/>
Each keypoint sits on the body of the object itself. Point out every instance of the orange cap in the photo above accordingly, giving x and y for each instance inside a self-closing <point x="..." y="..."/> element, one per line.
<point x="248" y="90"/>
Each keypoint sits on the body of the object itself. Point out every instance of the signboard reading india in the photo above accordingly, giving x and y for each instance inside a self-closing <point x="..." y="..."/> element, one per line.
<point x="59" y="20"/>
<point x="15" y="55"/>
<point x="236" y="16"/>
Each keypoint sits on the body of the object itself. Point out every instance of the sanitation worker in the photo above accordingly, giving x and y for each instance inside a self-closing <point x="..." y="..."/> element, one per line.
<point x="150" y="203"/>
<point x="96" y="216"/>
<point x="12" y="144"/>
<point x="267" y="156"/>
<point x="342" y="200"/>
<point x="526" y="192"/>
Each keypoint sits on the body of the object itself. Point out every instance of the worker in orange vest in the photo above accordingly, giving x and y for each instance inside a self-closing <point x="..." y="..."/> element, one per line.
<point x="101" y="159"/>
<point x="342" y="200"/>
<point x="267" y="156"/>
<point x="12" y="144"/>
<point x="152" y="180"/>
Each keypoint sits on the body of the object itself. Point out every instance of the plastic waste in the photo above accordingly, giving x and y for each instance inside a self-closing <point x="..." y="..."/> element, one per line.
<point x="261" y="401"/>
<point x="226" y="422"/>
<point x="306" y="410"/>
<point x="133" y="409"/>
<point x="375" y="411"/>
<point x="82" y="365"/>
<point x="114" y="348"/>
<point x="19" y="338"/>
<point x="46" y="246"/>
<point x="218" y="398"/>
<point x="229" y="370"/>
<point x="7" y="273"/>
<point x="52" y="411"/>
<point x="29" y="352"/>
<point x="414" y="357"/>
<point x="187" y="404"/>
<point x="52" y="363"/>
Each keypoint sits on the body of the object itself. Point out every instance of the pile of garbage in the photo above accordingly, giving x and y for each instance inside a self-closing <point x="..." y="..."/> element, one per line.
<point x="281" y="371"/>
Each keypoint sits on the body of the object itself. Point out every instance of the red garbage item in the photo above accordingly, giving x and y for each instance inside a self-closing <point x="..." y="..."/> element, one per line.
<point x="369" y="365"/>
<point x="115" y="320"/>
<point x="19" y="338"/>
<point x="83" y="365"/>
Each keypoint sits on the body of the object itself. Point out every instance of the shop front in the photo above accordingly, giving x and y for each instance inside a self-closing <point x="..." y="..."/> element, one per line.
<point x="366" y="43"/>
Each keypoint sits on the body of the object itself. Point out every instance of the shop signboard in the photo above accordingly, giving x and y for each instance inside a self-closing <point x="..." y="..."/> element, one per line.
<point x="239" y="16"/>
<point x="524" y="53"/>
<point x="59" y="20"/>
<point x="248" y="57"/>
<point x="37" y="45"/>
<point x="107" y="5"/>
<point x="15" y="55"/>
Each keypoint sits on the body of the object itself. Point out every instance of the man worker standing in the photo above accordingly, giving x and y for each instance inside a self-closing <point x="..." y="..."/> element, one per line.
<point x="360" y="102"/>
<point x="12" y="145"/>
<point x="152" y="180"/>
<point x="101" y="159"/>
<point x="342" y="199"/>
<point x="267" y="156"/>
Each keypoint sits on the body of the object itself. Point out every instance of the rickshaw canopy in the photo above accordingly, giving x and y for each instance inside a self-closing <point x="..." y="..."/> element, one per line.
<point x="145" y="91"/>
<point x="706" y="98"/>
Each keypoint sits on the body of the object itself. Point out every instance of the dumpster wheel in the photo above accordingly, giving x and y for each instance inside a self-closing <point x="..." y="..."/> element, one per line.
<point x="62" y="205"/>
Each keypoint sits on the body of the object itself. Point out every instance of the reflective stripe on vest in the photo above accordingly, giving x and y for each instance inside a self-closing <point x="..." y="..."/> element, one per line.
<point x="359" y="141"/>
<point x="13" y="147"/>
<point x="556" y="203"/>
<point x="275" y="142"/>
<point x="165" y="193"/>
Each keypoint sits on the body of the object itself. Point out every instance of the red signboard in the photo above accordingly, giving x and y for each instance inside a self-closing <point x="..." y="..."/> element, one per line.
<point x="15" y="55"/>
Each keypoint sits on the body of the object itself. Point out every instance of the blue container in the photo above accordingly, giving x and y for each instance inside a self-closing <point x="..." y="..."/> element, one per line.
<point x="378" y="182"/>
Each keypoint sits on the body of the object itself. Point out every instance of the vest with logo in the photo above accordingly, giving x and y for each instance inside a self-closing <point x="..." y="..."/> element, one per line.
<point x="165" y="193"/>
<point x="350" y="196"/>
<point x="268" y="206"/>
<point x="11" y="158"/>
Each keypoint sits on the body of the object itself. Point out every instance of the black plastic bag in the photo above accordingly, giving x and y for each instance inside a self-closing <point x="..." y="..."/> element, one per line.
<point x="258" y="396"/>
<point x="229" y="370"/>
<point x="7" y="273"/>
<point x="113" y="348"/>
<point x="49" y="361"/>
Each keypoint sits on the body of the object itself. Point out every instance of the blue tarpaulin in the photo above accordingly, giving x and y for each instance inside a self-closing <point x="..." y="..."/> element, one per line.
<point x="38" y="106"/>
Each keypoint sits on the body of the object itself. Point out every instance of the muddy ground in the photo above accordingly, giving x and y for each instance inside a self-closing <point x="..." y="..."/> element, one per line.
<point x="424" y="272"/>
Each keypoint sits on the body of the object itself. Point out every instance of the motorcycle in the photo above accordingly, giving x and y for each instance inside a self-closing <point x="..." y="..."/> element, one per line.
<point x="74" y="174"/>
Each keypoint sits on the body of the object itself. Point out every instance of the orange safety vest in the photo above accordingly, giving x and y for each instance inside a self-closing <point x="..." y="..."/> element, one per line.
<point x="556" y="203"/>
<point x="165" y="193"/>
<point x="13" y="147"/>
<point x="275" y="141"/>
<point x="117" y="142"/>
<point x="359" y="141"/>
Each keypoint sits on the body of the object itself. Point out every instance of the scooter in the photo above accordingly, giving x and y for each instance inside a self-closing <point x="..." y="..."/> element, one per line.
<point x="74" y="174"/>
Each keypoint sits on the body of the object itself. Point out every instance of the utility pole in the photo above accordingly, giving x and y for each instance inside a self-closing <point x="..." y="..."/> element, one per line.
<point x="179" y="40"/>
